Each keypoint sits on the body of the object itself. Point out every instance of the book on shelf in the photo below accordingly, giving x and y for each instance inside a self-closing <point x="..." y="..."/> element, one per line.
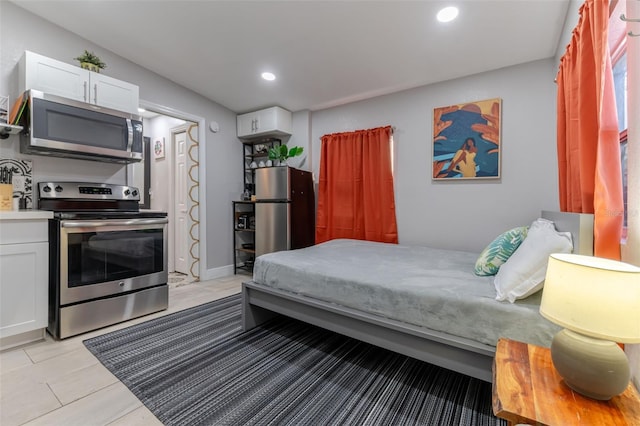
<point x="18" y="108"/>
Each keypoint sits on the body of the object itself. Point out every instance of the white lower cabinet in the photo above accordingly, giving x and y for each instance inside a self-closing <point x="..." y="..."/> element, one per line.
<point x="24" y="269"/>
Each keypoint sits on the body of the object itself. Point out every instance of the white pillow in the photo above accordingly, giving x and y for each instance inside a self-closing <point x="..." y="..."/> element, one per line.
<point x="523" y="273"/>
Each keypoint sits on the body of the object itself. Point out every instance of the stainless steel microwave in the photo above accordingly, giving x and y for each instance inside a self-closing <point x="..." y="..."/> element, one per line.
<point x="64" y="127"/>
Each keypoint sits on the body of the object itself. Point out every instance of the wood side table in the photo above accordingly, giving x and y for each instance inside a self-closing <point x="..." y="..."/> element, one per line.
<point x="528" y="389"/>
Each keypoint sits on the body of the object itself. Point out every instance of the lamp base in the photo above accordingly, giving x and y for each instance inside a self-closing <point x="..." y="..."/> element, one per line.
<point x="592" y="367"/>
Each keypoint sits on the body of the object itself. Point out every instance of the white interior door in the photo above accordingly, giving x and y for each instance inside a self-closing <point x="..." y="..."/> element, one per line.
<point x="180" y="223"/>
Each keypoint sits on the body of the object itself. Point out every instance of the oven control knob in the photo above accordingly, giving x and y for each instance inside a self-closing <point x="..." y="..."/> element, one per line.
<point x="58" y="188"/>
<point x="47" y="189"/>
<point x="135" y="192"/>
<point x="127" y="192"/>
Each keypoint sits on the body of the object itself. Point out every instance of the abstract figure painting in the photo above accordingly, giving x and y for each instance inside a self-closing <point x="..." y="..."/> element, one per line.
<point x="158" y="148"/>
<point x="466" y="140"/>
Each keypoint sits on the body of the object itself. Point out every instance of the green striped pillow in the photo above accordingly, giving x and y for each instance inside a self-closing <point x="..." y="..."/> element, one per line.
<point x="500" y="249"/>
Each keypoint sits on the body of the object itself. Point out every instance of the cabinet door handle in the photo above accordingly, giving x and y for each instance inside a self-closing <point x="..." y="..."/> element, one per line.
<point x="95" y="93"/>
<point x="85" y="91"/>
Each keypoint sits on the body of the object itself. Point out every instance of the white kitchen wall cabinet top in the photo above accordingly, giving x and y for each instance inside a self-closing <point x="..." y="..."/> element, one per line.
<point x="59" y="78"/>
<point x="274" y="121"/>
<point x="24" y="276"/>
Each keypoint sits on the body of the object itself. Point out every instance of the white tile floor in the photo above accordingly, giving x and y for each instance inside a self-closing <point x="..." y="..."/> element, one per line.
<point x="61" y="383"/>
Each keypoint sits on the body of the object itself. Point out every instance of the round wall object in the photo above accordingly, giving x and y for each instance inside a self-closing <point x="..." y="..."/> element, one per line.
<point x="214" y="126"/>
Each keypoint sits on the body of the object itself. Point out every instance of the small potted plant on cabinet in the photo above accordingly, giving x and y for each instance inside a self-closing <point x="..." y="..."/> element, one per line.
<point x="89" y="61"/>
<point x="281" y="153"/>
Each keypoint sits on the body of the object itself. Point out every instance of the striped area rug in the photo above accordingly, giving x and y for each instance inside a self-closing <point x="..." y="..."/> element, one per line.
<point x="196" y="367"/>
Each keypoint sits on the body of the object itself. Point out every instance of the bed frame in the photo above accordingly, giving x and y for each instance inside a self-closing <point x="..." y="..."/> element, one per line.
<point x="261" y="303"/>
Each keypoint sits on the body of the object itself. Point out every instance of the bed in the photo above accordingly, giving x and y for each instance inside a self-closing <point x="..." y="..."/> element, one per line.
<point x="436" y="309"/>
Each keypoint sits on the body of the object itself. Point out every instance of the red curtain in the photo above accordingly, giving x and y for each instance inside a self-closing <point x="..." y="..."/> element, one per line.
<point x="588" y="138"/>
<point x="355" y="193"/>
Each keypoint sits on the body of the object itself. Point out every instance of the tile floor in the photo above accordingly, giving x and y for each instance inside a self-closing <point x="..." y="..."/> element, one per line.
<point x="61" y="383"/>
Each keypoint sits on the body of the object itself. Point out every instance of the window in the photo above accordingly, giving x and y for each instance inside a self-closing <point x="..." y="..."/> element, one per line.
<point x="620" y="87"/>
<point x="618" y="49"/>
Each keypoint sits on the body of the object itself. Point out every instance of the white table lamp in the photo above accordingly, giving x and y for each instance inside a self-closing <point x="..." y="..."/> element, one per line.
<point x="597" y="300"/>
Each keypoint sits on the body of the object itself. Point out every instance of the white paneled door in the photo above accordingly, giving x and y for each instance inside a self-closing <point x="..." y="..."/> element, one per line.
<point x="181" y="253"/>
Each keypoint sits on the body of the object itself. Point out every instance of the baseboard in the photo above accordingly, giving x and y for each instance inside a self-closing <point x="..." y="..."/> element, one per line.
<point x="10" y="342"/>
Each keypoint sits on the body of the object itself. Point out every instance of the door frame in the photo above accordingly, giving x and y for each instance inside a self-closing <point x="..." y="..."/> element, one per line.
<point x="201" y="211"/>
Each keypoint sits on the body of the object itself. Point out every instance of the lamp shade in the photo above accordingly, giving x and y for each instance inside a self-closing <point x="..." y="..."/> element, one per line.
<point x="593" y="296"/>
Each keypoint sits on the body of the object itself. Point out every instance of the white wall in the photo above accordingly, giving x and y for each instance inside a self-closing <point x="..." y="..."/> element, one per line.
<point x="464" y="215"/>
<point x="21" y="30"/>
<point x="301" y="129"/>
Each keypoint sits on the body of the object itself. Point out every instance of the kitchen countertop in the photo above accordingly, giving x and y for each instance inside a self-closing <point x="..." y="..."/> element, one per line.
<point x="25" y="215"/>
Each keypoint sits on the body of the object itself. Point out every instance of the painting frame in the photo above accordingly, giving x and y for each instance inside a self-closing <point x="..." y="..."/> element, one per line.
<point x="22" y="171"/>
<point x="467" y="141"/>
<point x="158" y="148"/>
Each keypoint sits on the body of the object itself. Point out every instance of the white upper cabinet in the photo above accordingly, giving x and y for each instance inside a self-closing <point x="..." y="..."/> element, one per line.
<point x="274" y="121"/>
<point x="115" y="94"/>
<point x="59" y="78"/>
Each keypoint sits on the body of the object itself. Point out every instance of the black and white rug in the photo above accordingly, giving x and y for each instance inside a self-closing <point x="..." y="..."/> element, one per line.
<point x="196" y="367"/>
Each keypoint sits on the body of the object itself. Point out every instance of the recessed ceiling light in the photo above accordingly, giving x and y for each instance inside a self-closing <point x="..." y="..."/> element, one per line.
<point x="447" y="14"/>
<point x="141" y="110"/>
<point x="269" y="76"/>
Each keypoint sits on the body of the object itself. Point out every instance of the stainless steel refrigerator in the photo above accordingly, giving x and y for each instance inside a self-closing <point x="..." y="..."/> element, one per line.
<point x="285" y="209"/>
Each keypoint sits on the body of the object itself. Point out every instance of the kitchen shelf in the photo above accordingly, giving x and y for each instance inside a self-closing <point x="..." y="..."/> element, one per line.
<point x="245" y="250"/>
<point x="259" y="155"/>
<point x="9" y="129"/>
<point x="243" y="267"/>
<point x="244" y="214"/>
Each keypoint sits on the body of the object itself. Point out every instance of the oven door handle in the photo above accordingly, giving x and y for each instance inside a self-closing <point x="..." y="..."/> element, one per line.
<point x="113" y="222"/>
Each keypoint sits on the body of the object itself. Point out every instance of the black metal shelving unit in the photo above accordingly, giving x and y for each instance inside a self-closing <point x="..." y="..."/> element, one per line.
<point x="251" y="152"/>
<point x="243" y="236"/>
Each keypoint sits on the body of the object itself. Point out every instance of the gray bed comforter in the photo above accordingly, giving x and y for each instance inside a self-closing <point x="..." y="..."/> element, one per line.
<point x="427" y="287"/>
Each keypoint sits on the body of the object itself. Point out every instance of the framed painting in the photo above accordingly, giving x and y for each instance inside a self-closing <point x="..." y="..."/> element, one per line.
<point x="466" y="140"/>
<point x="158" y="148"/>
<point x="22" y="181"/>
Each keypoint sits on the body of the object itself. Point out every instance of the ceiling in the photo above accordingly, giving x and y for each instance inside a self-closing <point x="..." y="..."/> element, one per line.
<point x="324" y="53"/>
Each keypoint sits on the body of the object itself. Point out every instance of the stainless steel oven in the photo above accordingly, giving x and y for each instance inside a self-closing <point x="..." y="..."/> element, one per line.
<point x="108" y="260"/>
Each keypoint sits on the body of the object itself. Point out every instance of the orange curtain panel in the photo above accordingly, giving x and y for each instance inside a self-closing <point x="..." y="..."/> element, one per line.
<point x="588" y="139"/>
<point x="355" y="192"/>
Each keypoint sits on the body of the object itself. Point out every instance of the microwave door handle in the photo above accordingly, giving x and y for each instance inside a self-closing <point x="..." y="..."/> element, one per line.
<point x="130" y="134"/>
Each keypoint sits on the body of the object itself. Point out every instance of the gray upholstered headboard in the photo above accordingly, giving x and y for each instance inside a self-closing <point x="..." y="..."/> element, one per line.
<point x="579" y="224"/>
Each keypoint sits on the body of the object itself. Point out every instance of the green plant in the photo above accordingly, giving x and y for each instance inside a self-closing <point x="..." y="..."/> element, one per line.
<point x="91" y="58"/>
<point x="281" y="152"/>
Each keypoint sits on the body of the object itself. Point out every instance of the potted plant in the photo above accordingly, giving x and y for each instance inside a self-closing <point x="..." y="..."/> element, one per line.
<point x="281" y="153"/>
<point x="89" y="61"/>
